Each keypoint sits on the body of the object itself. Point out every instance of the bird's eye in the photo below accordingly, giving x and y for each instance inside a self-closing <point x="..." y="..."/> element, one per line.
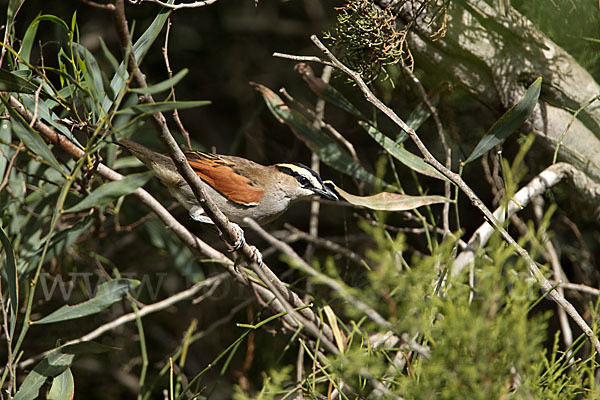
<point x="302" y="180"/>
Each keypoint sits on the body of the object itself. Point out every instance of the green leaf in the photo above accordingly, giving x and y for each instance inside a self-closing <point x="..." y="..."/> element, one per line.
<point x="10" y="82"/>
<point x="329" y="151"/>
<point x="111" y="191"/>
<point x="509" y="122"/>
<point x="54" y="364"/>
<point x="63" y="240"/>
<point x="30" y="137"/>
<point x="396" y="150"/>
<point x="419" y="115"/>
<point x="11" y="274"/>
<point x="388" y="201"/>
<point x="140" y="48"/>
<point x="108" y="293"/>
<point x="162" y="106"/>
<point x="331" y="94"/>
<point x="93" y="76"/>
<point x="29" y="37"/>
<point x="162" y="86"/>
<point x="48" y="116"/>
<point x="63" y="386"/>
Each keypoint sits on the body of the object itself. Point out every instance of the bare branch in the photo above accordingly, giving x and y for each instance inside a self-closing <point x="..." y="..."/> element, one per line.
<point x="457" y="180"/>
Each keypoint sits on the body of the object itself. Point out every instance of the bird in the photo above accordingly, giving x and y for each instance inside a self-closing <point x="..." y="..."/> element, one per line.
<point x="239" y="187"/>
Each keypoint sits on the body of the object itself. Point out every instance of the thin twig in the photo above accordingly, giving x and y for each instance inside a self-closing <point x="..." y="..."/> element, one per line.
<point x="190" y="240"/>
<point x="176" y="118"/>
<point x="297" y="234"/>
<point x="142" y="312"/>
<point x="10" y="166"/>
<point x="320" y="123"/>
<point x="299" y="263"/>
<point x="442" y="137"/>
<point x="109" y="6"/>
<point x="557" y="270"/>
<point x="303" y="58"/>
<point x="457" y="180"/>
<point x="228" y="230"/>
<point x="196" y="4"/>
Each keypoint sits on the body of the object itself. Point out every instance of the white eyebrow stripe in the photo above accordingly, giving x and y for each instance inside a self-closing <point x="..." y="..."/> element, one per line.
<point x="305" y="173"/>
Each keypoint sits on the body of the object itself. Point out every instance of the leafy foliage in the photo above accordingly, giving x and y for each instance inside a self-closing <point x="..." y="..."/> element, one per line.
<point x="83" y="257"/>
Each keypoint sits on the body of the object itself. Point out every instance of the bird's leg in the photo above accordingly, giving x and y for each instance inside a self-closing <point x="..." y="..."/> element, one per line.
<point x="197" y="214"/>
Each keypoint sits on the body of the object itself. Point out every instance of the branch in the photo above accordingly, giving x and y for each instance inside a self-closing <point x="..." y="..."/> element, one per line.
<point x="188" y="238"/>
<point x="537" y="186"/>
<point x="457" y="180"/>
<point x="193" y="180"/>
<point x="142" y="312"/>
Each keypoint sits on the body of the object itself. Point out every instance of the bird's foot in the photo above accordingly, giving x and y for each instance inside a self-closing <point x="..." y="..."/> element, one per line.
<point x="241" y="240"/>
<point x="197" y="214"/>
<point x="256" y="255"/>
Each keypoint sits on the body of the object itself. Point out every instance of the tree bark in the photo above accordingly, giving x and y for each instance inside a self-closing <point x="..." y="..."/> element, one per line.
<point x="495" y="56"/>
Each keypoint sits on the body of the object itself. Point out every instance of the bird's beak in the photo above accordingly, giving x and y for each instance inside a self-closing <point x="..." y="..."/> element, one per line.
<point x="327" y="192"/>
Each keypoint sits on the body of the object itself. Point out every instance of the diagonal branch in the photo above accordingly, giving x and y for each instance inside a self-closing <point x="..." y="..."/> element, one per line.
<point x="225" y="227"/>
<point x="457" y="180"/>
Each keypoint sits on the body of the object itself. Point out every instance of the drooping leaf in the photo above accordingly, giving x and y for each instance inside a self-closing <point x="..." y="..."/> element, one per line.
<point x="386" y="201"/>
<point x="30" y="137"/>
<point x="326" y="91"/>
<point x="111" y="191"/>
<point x="509" y="122"/>
<point x="30" y="33"/>
<point x="108" y="293"/>
<point x="63" y="386"/>
<point x="162" y="106"/>
<point x="329" y="151"/>
<point x="162" y="86"/>
<point x="11" y="82"/>
<point x="54" y="364"/>
<point x="396" y="150"/>
<point x="11" y="273"/>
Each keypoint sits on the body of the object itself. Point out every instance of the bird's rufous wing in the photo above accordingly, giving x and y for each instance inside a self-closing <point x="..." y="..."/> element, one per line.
<point x="224" y="178"/>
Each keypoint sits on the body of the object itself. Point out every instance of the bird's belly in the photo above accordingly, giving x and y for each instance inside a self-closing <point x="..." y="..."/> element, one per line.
<point x="262" y="213"/>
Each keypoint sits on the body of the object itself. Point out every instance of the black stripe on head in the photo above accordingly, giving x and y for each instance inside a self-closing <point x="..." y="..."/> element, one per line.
<point x="302" y="173"/>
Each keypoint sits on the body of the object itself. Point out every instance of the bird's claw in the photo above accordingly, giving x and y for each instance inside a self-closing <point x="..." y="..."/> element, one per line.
<point x="239" y="243"/>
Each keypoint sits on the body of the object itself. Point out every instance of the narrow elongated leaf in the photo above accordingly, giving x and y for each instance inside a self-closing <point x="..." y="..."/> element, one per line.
<point x="140" y="48"/>
<point x="93" y="76"/>
<point x="329" y="151"/>
<point x="11" y="273"/>
<point x="30" y="137"/>
<point x="10" y="82"/>
<point x="326" y="91"/>
<point x="63" y="386"/>
<point x="111" y="191"/>
<point x="164" y="85"/>
<point x="407" y="158"/>
<point x="333" y="96"/>
<point x="162" y="106"/>
<point x="509" y="122"/>
<point x="29" y="37"/>
<point x="108" y="293"/>
<point x="419" y="115"/>
<point x="386" y="201"/>
<point x="53" y="365"/>
<point x="49" y="117"/>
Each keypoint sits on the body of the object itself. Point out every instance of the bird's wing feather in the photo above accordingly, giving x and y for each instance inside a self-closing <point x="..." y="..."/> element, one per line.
<point x="222" y="176"/>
